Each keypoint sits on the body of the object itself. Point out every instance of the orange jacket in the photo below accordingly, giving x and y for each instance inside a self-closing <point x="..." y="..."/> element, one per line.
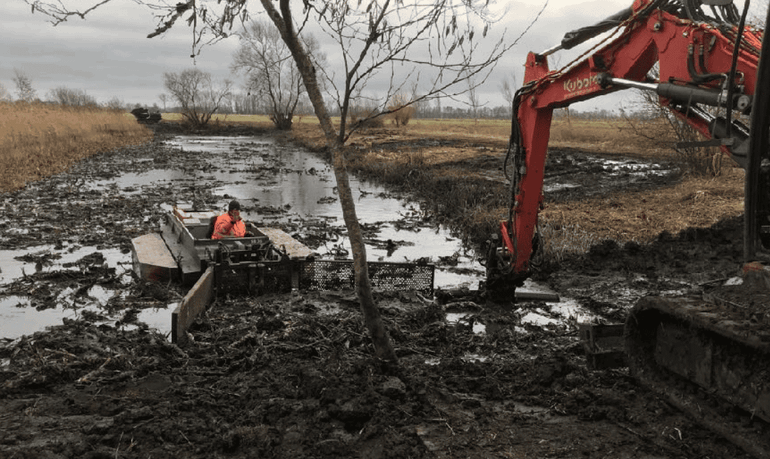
<point x="224" y="225"/>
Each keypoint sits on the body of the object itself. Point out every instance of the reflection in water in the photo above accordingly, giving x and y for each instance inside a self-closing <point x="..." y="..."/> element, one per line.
<point x="19" y="318"/>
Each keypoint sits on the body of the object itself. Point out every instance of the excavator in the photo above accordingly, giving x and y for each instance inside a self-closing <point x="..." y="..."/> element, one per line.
<point x="708" y="358"/>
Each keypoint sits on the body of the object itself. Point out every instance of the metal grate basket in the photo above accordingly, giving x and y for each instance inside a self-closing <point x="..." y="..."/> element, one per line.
<point x="271" y="278"/>
<point x="384" y="276"/>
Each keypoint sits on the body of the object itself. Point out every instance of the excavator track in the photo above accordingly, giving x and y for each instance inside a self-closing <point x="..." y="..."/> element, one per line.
<point x="707" y="359"/>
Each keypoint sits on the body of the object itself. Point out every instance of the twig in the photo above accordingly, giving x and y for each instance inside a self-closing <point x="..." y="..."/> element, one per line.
<point x="117" y="448"/>
<point x="94" y="373"/>
<point x="185" y="437"/>
<point x="714" y="281"/>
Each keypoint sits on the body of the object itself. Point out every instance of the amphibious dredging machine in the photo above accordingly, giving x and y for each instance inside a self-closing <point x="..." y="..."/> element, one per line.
<point x="712" y="72"/>
<point x="266" y="260"/>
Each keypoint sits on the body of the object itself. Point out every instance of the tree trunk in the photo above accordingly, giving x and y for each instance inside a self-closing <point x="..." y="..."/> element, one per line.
<point x="377" y="332"/>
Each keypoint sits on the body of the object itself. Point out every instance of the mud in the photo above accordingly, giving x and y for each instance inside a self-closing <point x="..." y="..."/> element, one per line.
<point x="293" y="375"/>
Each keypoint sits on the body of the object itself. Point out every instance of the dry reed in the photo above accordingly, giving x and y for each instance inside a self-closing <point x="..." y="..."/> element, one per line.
<point x="560" y="241"/>
<point x="39" y="140"/>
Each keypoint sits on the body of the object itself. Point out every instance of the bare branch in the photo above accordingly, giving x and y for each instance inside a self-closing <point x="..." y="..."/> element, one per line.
<point x="59" y="12"/>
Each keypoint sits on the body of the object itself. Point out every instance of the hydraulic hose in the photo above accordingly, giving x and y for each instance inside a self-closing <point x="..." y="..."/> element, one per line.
<point x="734" y="65"/>
<point x="758" y="148"/>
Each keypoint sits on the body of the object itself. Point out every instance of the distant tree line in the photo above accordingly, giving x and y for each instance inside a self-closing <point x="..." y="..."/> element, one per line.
<point x="25" y="92"/>
<point x="197" y="96"/>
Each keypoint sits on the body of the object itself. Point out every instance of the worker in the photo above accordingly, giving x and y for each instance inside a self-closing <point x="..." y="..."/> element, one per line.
<point x="230" y="223"/>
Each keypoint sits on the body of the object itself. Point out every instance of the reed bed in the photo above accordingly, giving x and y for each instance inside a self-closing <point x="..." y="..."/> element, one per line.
<point x="39" y="140"/>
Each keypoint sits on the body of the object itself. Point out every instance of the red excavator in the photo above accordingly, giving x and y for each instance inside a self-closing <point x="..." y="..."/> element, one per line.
<point x="708" y="359"/>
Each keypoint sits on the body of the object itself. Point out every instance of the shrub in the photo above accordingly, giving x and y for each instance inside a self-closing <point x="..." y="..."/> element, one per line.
<point x="361" y="116"/>
<point x="401" y="110"/>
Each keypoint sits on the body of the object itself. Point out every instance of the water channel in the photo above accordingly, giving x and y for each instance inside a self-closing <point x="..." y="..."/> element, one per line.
<point x="276" y="184"/>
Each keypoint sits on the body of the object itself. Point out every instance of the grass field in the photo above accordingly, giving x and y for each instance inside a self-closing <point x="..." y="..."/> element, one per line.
<point x="39" y="140"/>
<point x="597" y="135"/>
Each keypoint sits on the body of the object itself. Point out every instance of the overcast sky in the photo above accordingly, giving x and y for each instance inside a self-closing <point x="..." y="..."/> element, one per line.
<point x="108" y="55"/>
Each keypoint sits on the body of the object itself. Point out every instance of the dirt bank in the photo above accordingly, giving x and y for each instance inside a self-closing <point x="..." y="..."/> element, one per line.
<point x="292" y="376"/>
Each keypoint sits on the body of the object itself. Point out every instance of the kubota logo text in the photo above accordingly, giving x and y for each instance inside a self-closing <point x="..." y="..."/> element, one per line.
<point x="579" y="84"/>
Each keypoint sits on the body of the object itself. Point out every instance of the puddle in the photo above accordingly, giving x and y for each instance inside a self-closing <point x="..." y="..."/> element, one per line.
<point x="470" y="358"/>
<point x="556" y="313"/>
<point x="47" y="258"/>
<point x="158" y="318"/>
<point x="20" y="318"/>
<point x="454" y="318"/>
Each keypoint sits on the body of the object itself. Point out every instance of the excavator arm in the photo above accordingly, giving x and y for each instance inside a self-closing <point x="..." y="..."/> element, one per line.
<point x="700" y="353"/>
<point x="701" y="70"/>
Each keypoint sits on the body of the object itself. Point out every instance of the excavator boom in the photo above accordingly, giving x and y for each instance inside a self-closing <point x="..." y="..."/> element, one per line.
<point x="695" y="62"/>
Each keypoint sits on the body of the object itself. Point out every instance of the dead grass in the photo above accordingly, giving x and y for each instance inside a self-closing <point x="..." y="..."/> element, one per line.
<point x="497" y="130"/>
<point x="642" y="216"/>
<point x="251" y="120"/>
<point x="562" y="239"/>
<point x="40" y="140"/>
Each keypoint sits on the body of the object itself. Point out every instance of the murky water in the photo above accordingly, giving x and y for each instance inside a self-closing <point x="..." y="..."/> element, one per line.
<point x="304" y="186"/>
<point x="274" y="183"/>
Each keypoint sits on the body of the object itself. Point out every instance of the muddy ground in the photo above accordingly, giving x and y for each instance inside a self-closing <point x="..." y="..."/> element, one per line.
<point x="293" y="375"/>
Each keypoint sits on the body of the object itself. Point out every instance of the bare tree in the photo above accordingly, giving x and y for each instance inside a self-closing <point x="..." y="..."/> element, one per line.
<point x="473" y="99"/>
<point x="508" y="91"/>
<point x="270" y="70"/>
<point x="422" y="104"/>
<point x="197" y="94"/>
<point x="71" y="97"/>
<point x="402" y="110"/>
<point x="24" y="90"/>
<point x="372" y="38"/>
<point x="163" y="98"/>
<point x="663" y="128"/>
<point x="115" y="104"/>
<point x="406" y="42"/>
<point x="437" y="42"/>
